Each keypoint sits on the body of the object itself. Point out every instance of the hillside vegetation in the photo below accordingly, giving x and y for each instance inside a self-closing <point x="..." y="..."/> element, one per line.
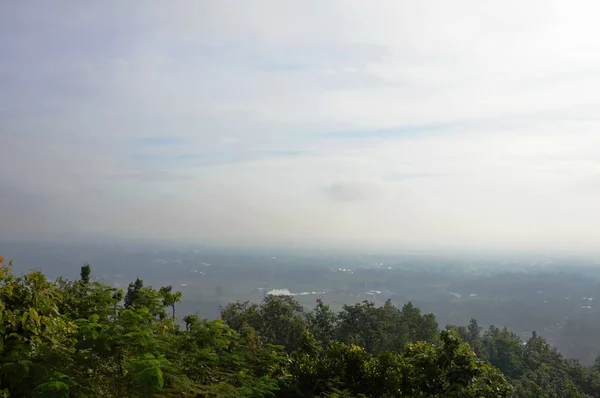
<point x="84" y="339"/>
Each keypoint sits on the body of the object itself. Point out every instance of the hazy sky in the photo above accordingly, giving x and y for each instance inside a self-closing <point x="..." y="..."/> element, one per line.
<point x="466" y="123"/>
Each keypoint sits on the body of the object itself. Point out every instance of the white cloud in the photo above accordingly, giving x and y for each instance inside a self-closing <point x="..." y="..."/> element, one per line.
<point x="251" y="92"/>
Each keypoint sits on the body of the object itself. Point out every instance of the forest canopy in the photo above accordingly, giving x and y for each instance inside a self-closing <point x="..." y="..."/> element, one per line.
<point x="81" y="338"/>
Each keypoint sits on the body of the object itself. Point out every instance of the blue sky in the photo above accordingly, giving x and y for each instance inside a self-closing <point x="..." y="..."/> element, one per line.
<point x="401" y="123"/>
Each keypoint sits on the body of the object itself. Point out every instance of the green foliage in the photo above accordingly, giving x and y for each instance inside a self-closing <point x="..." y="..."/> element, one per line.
<point x="170" y="298"/>
<point x="84" y="339"/>
<point x="386" y="328"/>
<point x="279" y="319"/>
<point x="35" y="337"/>
<point x="450" y="370"/>
<point x="322" y="322"/>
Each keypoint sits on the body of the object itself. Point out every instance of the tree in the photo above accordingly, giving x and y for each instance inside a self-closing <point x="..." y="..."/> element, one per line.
<point x="239" y="315"/>
<point x="504" y="350"/>
<point x="322" y="322"/>
<point x="36" y="341"/>
<point x="460" y="330"/>
<point x="358" y="325"/>
<point x="190" y="320"/>
<point x="385" y="328"/>
<point x="422" y="370"/>
<point x="170" y="298"/>
<point x="473" y="331"/>
<point x="140" y="296"/>
<point x="79" y="339"/>
<point x="281" y="321"/>
<point x="134" y="291"/>
<point x="450" y="370"/>
<point x="85" y="273"/>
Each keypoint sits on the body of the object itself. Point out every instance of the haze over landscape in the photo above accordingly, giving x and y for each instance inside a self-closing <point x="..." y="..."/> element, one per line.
<point x="469" y="124"/>
<point x="290" y="199"/>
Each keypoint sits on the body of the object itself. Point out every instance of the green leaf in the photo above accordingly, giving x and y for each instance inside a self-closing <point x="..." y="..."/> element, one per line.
<point x="53" y="389"/>
<point x="152" y="377"/>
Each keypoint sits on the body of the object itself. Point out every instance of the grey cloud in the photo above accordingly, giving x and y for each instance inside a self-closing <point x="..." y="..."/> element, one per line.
<point x="353" y="191"/>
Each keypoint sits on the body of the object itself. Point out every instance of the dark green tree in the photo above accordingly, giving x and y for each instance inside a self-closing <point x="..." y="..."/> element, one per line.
<point x="85" y="273"/>
<point x="170" y="298"/>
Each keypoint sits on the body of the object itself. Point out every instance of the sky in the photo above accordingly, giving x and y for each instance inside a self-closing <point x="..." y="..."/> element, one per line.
<point x="470" y="123"/>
